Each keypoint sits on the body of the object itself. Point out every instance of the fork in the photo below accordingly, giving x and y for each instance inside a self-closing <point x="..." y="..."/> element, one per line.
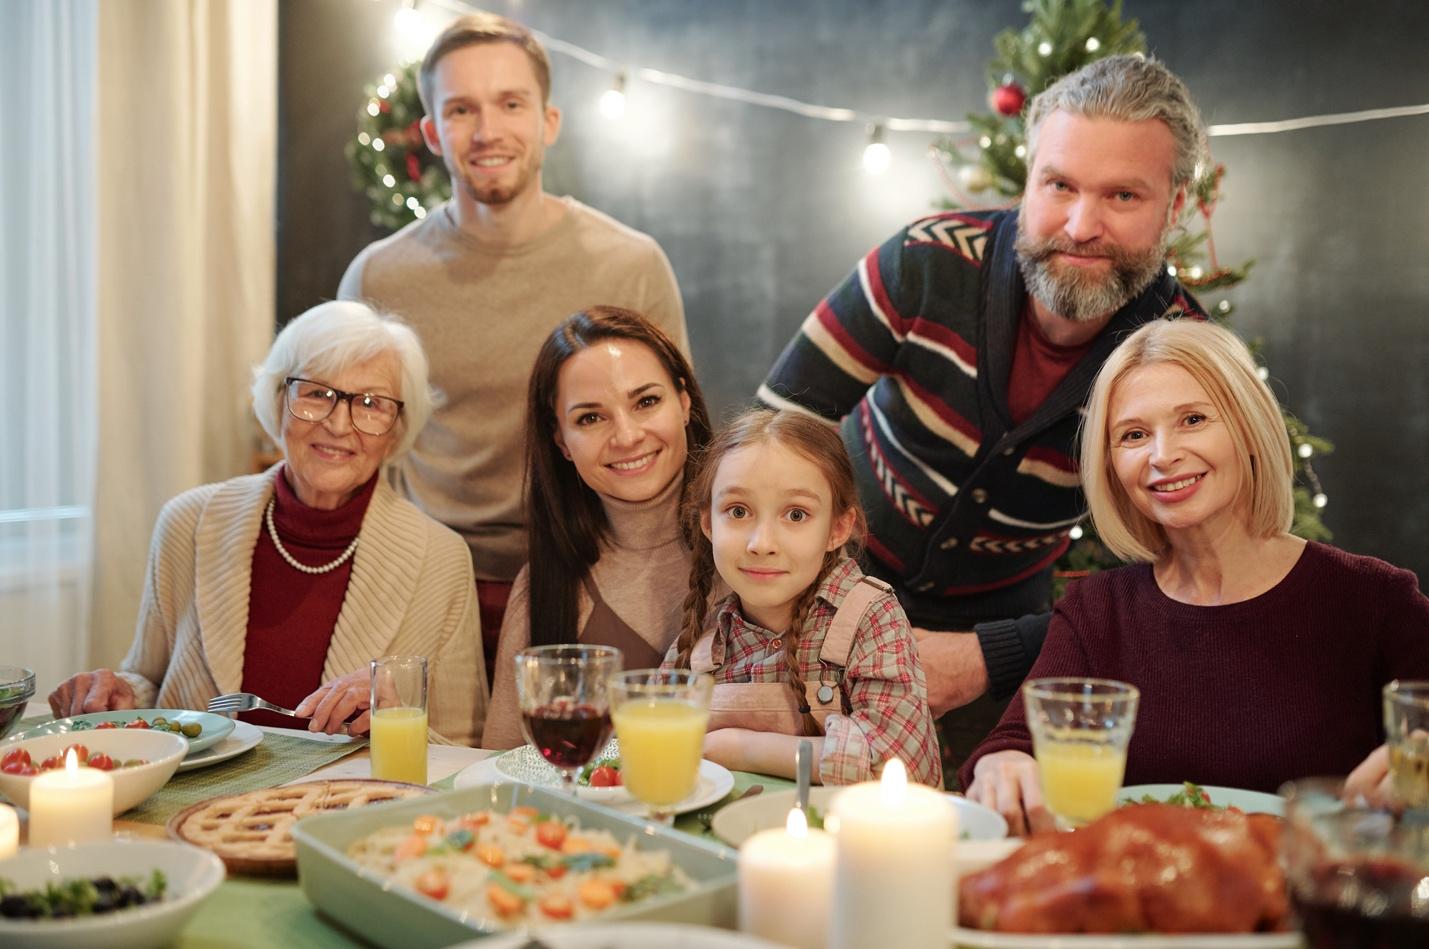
<point x="245" y="702"/>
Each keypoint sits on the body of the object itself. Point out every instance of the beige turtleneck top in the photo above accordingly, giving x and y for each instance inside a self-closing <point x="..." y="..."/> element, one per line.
<point x="642" y="575"/>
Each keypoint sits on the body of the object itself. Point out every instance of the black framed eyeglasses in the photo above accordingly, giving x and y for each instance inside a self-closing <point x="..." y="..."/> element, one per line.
<point x="313" y="402"/>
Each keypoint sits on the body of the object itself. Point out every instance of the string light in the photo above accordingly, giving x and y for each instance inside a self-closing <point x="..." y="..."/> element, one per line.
<point x="1305" y="450"/>
<point x="612" y="101"/>
<point x="876" y="154"/>
<point x="1320" y="500"/>
<point x="1093" y="44"/>
<point x="1076" y="532"/>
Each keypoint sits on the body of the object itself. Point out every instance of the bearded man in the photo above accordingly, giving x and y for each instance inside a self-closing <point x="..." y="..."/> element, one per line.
<point x="485" y="278"/>
<point x="957" y="356"/>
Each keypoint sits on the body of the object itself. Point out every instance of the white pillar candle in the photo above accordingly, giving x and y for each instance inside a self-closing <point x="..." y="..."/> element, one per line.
<point x="786" y="879"/>
<point x="9" y="831"/>
<point x="893" y="877"/>
<point x="71" y="805"/>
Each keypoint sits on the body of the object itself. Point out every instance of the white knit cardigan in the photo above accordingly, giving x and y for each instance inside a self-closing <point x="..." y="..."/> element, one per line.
<point x="411" y="592"/>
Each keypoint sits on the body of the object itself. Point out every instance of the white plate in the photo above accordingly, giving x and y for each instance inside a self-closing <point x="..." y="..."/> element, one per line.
<point x="623" y="935"/>
<point x="715" y="781"/>
<point x="215" y="727"/>
<point x="1252" y="802"/>
<point x="526" y="765"/>
<point x="976" y="939"/>
<point x="193" y="874"/>
<point x="244" y="737"/>
<point x="743" y="819"/>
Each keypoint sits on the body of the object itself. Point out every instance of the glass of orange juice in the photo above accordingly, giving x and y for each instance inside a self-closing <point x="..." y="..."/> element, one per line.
<point x="660" y="718"/>
<point x="1080" y="730"/>
<point x="399" y="719"/>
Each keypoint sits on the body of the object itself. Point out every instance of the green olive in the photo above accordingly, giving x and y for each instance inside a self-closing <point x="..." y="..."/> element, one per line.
<point x="159" y="720"/>
<point x="192" y="729"/>
<point x="133" y="763"/>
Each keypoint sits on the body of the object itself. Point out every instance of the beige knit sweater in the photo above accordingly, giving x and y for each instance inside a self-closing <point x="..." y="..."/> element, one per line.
<point x="411" y="592"/>
<point x="642" y="574"/>
<point x="483" y="312"/>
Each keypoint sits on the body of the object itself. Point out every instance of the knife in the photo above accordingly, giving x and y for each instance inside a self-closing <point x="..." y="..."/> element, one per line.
<point x="803" y="770"/>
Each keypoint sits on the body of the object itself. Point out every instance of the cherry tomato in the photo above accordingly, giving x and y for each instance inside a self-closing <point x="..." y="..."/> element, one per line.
<point x="14" y="767"/>
<point x="605" y="777"/>
<point x="105" y="725"/>
<point x="81" y="753"/>
<point x="51" y="763"/>
<point x="556" y="906"/>
<point x="19" y="754"/>
<point x="551" y="833"/>
<point x="434" y="883"/>
<point x="101" y="761"/>
<point x="137" y="723"/>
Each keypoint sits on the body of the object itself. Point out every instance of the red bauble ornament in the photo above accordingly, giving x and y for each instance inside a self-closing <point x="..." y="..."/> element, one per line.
<point x="1008" y="99"/>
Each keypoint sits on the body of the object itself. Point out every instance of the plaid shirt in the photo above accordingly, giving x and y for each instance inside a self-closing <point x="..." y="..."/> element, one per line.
<point x="884" y="681"/>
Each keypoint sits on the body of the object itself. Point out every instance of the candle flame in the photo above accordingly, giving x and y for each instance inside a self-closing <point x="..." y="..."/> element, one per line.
<point x="797" y="825"/>
<point x="893" y="787"/>
<point x="71" y="763"/>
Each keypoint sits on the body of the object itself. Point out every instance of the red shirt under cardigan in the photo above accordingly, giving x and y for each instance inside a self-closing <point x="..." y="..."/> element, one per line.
<point x="291" y="614"/>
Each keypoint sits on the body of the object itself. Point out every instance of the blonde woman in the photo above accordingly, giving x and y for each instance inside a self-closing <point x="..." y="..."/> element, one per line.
<point x="1260" y="656"/>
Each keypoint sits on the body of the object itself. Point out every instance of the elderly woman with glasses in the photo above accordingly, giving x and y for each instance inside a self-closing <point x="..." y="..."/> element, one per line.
<point x="287" y="583"/>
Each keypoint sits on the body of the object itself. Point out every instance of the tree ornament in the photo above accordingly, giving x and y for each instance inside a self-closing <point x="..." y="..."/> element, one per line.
<point x="975" y="178"/>
<point x="1008" y="99"/>
<point x="390" y="162"/>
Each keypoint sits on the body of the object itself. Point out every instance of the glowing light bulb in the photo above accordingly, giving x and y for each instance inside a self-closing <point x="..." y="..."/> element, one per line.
<point x="1093" y="44"/>
<point x="985" y="142"/>
<point x="1171" y="269"/>
<point x="876" y="155"/>
<point x="1305" y="450"/>
<point x="1262" y="372"/>
<point x="1320" y="500"/>
<point x="1044" y="48"/>
<point x="1076" y="532"/>
<point x="1020" y="151"/>
<point x="388" y="180"/>
<point x="612" y="100"/>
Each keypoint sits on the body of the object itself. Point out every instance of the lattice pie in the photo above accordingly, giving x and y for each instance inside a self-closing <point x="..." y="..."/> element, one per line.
<point x="250" y="832"/>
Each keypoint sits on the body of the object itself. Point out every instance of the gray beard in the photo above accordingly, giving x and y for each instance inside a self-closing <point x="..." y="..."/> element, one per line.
<point x="1083" y="297"/>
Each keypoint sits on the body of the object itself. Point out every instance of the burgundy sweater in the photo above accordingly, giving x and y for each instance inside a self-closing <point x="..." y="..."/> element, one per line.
<point x="291" y="615"/>
<point x="1247" y="695"/>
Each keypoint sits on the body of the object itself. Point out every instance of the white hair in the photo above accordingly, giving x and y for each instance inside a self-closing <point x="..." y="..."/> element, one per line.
<point x="330" y="338"/>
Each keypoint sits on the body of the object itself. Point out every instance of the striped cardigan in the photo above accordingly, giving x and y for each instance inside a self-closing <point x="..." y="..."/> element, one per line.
<point x="967" y="512"/>
<point x="412" y="592"/>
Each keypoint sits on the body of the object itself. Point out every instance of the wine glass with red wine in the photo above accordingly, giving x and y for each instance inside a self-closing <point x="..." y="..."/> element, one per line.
<point x="564" y="693"/>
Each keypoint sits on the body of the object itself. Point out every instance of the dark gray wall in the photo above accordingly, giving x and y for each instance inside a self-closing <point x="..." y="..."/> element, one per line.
<point x="762" y="212"/>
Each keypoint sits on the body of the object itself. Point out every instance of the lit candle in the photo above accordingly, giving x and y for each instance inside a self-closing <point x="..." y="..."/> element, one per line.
<point x="71" y="805"/>
<point x="9" y="831"/>
<point x="786" y="879"/>
<point x="893" y="877"/>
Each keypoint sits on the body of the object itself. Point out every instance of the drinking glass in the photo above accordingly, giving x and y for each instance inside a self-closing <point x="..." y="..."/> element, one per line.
<point x="1406" y="728"/>
<point x="564" y="694"/>
<point x="399" y="719"/>
<point x="1355" y="871"/>
<point x="660" y="718"/>
<point x="1080" y="730"/>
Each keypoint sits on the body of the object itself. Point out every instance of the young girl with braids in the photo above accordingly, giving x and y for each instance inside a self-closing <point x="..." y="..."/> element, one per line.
<point x="806" y="645"/>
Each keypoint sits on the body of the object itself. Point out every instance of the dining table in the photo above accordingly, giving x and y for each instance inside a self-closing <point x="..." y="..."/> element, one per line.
<point x="261" y="911"/>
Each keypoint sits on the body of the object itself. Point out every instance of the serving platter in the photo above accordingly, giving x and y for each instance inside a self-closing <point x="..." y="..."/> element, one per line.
<point x="364" y="901"/>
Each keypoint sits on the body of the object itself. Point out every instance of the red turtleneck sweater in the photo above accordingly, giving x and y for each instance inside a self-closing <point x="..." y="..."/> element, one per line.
<point x="291" y="614"/>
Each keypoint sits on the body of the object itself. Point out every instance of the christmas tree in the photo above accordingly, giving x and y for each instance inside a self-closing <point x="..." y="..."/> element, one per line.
<point x="1061" y="37"/>
<point x="390" y="162"/>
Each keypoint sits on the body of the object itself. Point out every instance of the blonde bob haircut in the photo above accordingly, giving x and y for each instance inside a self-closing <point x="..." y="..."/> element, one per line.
<point x="1222" y="365"/>
<point x="330" y="338"/>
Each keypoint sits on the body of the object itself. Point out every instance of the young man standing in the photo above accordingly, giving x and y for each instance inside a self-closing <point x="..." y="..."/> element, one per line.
<point x="484" y="278"/>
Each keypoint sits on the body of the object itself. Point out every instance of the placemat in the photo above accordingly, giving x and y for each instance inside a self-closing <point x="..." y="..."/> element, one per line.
<point x="276" y="760"/>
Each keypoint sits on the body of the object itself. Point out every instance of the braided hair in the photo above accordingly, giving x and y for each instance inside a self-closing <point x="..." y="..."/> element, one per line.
<point x="813" y="440"/>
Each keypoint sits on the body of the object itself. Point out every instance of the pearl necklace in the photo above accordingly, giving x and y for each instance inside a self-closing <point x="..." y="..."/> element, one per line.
<point x="293" y="561"/>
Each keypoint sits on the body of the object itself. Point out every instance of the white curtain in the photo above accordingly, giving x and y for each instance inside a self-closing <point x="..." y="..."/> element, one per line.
<point x="47" y="331"/>
<point x="137" y="286"/>
<point x="187" y="148"/>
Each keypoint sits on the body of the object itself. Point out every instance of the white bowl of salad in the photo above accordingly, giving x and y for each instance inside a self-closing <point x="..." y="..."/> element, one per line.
<point x="121" y="893"/>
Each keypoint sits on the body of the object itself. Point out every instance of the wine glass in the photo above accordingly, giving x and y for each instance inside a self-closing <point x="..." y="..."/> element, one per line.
<point x="660" y="718"/>
<point x="564" y="694"/>
<point x="1080" y="730"/>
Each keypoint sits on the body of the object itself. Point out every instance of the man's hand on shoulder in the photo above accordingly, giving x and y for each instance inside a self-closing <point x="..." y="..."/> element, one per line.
<point x="953" y="666"/>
